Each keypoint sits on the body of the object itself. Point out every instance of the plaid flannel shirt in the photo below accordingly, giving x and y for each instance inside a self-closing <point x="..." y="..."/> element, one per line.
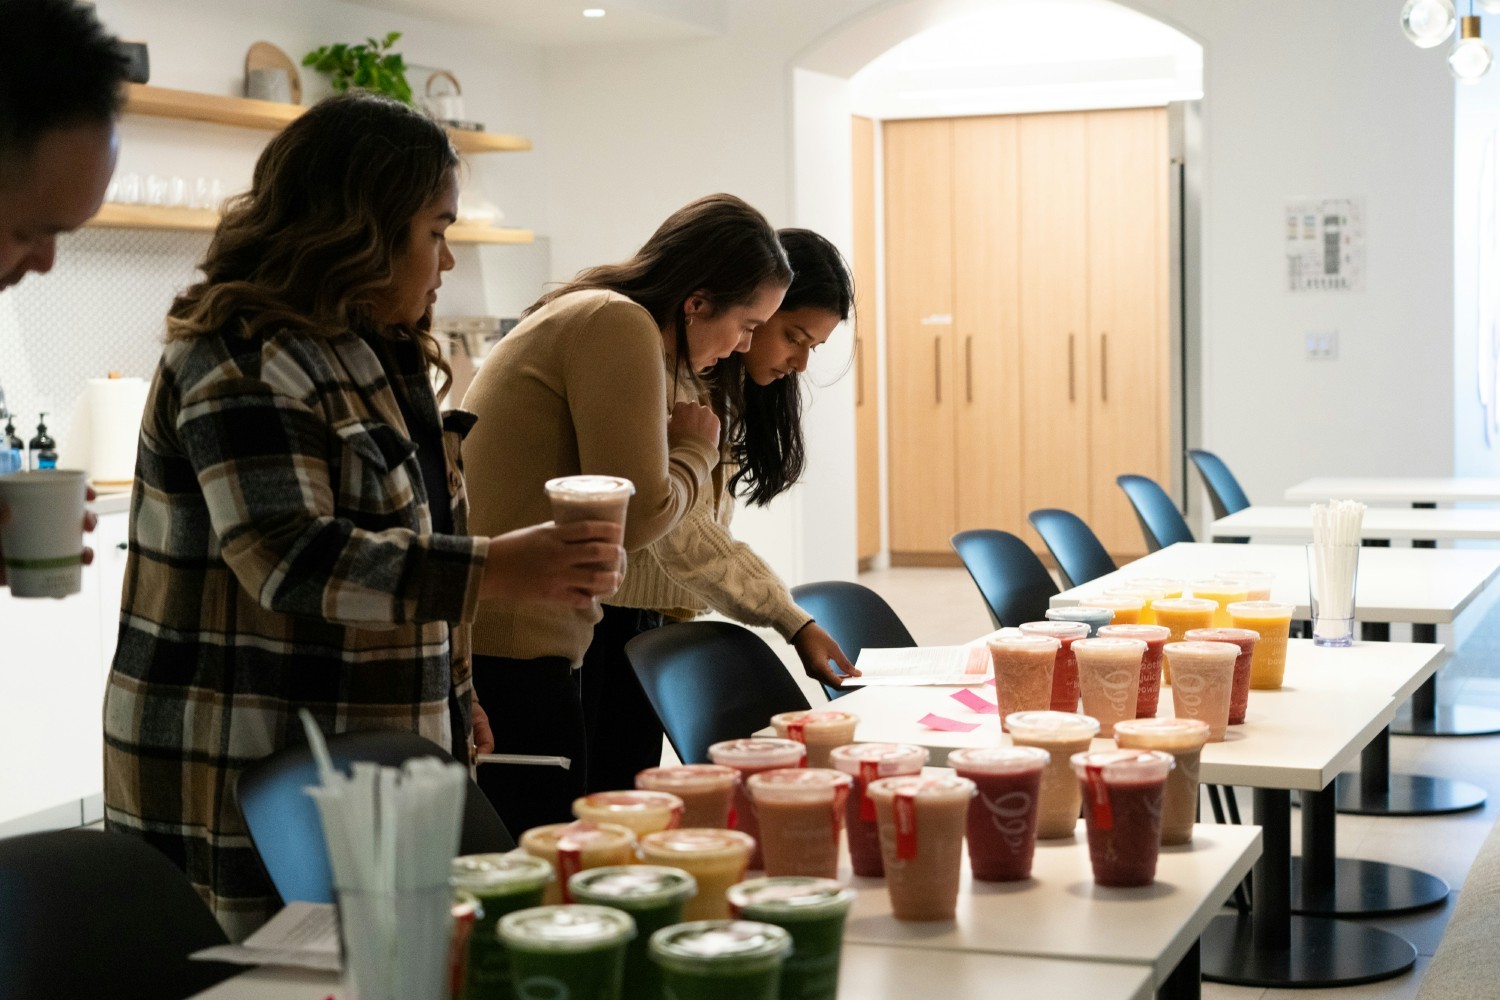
<point x="281" y="557"/>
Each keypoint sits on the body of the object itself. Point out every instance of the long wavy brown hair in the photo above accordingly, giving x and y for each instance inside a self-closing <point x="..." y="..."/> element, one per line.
<point x="310" y="246"/>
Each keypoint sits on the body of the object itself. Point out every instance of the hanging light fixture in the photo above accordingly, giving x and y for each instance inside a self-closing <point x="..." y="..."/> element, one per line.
<point x="1427" y="23"/>
<point x="1470" y="58"/>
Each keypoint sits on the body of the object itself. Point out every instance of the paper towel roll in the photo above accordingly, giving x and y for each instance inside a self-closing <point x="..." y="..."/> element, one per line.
<point x="115" y="408"/>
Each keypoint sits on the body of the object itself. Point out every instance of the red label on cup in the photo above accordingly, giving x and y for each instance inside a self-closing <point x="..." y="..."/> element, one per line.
<point x="797" y="730"/>
<point x="869" y="770"/>
<point x="1099" y="795"/>
<point x="906" y="826"/>
<point x="569" y="863"/>
<point x="840" y="800"/>
<point x="675" y="820"/>
<point x="802" y="761"/>
<point x="734" y="818"/>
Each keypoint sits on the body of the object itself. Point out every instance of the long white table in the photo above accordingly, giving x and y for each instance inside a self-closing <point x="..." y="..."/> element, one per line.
<point x="1398" y="489"/>
<point x="1392" y="524"/>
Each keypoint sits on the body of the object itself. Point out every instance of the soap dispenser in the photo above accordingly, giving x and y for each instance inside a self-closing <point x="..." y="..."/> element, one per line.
<point x="12" y="448"/>
<point x="43" y="448"/>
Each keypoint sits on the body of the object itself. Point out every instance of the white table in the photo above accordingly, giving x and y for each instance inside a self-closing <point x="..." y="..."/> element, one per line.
<point x="1392" y="524"/>
<point x="867" y="973"/>
<point x="1398" y="489"/>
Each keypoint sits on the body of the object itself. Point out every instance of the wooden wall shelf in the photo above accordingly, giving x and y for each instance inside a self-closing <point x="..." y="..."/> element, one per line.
<point x="204" y="220"/>
<point x="243" y="112"/>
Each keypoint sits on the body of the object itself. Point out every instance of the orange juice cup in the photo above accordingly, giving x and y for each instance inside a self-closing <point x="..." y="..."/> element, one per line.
<point x="801" y="813"/>
<point x="1204" y="681"/>
<point x="572" y="847"/>
<point x="1273" y="621"/>
<point x="1181" y="614"/>
<point x="1168" y="586"/>
<point x="716" y="859"/>
<point x="750" y="757"/>
<point x="1257" y="584"/>
<point x="1127" y="607"/>
<point x="922" y="823"/>
<point x="706" y="791"/>
<point x="1061" y="734"/>
<point x="1146" y="594"/>
<point x="1065" y="671"/>
<point x="1246" y="639"/>
<point x="639" y="811"/>
<point x="1023" y="672"/>
<point x="1155" y="637"/>
<point x="819" y="731"/>
<point x="1109" y="678"/>
<point x="1223" y="593"/>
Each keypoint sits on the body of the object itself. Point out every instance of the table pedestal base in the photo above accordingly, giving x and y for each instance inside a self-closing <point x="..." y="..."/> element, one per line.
<point x="1448" y="720"/>
<point x="1367" y="889"/>
<point x="1320" y="953"/>
<point x="1408" y="795"/>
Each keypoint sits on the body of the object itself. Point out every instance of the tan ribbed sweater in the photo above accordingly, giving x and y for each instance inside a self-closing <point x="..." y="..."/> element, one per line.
<point x="577" y="387"/>
<point x="699" y="565"/>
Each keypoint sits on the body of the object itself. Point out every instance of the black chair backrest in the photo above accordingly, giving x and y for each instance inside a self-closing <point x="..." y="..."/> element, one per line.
<point x="95" y="914"/>
<point x="1015" y="585"/>
<point x="855" y="616"/>
<point x="711" y="681"/>
<point x="1224" y="492"/>
<point x="284" y="824"/>
<point x="1080" y="555"/>
<point x="1161" y="521"/>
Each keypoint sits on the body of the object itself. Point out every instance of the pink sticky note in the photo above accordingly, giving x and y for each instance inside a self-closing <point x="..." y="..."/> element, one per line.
<point x="973" y="701"/>
<point x="990" y="681"/>
<point x="947" y="725"/>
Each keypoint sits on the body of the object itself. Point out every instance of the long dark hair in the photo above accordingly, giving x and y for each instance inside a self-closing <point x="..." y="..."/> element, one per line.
<point x="310" y="246"/>
<point x="765" y="421"/>
<point x="718" y="246"/>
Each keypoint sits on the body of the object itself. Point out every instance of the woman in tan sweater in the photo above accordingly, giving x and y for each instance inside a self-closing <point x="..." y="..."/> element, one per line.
<point x="698" y="565"/>
<point x="578" y="387"/>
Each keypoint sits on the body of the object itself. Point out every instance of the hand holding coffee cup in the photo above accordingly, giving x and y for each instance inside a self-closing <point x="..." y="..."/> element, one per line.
<point x="571" y="563"/>
<point x="42" y="520"/>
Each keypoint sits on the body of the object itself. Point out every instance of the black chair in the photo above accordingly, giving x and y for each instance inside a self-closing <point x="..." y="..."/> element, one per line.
<point x="95" y="914"/>
<point x="855" y="616"/>
<point x="1080" y="555"/>
<point x="711" y="681"/>
<point x="1224" y="492"/>
<point x="284" y="824"/>
<point x="1161" y="521"/>
<point x="1015" y="585"/>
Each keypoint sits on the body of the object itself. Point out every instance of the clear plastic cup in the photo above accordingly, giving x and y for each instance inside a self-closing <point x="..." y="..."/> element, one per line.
<point x="1003" y="814"/>
<point x="922" y="823"/>
<point x="812" y="911"/>
<point x="867" y="762"/>
<point x="570" y="951"/>
<point x="1257" y="585"/>
<point x="819" y="731"/>
<point x="1183" y="739"/>
<point x="1122" y="804"/>
<point x="1273" y="621"/>
<point x="716" y="859"/>
<point x="749" y="757"/>
<point x="1065" y="670"/>
<point x="721" y="959"/>
<point x="1126" y="608"/>
<point x="1180" y="614"/>
<point x="499" y="884"/>
<point x="801" y="813"/>
<point x="654" y="898"/>
<point x="1246" y="639"/>
<point x="642" y="812"/>
<point x="706" y="791"/>
<point x="1155" y="637"/>
<point x="1061" y="734"/>
<point x="589" y="498"/>
<point x="1146" y="594"/>
<point x="1203" y="682"/>
<point x="1169" y="586"/>
<point x="1093" y="615"/>
<point x="1109" y="678"/>
<point x="1023" y="672"/>
<point x="1223" y="593"/>
<point x="572" y="847"/>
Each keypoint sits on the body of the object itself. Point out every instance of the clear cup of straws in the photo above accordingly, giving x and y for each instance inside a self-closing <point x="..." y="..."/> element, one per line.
<point x="1332" y="570"/>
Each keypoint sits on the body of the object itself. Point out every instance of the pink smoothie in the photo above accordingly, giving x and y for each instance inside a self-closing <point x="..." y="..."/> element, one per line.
<point x="1239" y="693"/>
<point x="1155" y="637"/>
<point x="750" y="757"/>
<point x="867" y="762"/>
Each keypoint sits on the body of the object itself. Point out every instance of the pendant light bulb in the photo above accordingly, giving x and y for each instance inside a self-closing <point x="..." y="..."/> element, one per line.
<point x="1470" y="58"/>
<point x="1427" y="23"/>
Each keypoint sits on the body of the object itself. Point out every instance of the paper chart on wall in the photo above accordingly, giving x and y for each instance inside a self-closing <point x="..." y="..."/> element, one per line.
<point x="1325" y="244"/>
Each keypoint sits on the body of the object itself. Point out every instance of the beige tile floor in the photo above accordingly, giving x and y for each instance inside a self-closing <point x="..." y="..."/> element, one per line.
<point x="941" y="606"/>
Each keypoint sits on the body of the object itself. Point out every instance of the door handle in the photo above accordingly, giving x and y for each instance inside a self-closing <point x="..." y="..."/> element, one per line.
<point x="937" y="369"/>
<point x="1071" y="367"/>
<point x="968" y="369"/>
<point x="1104" y="367"/>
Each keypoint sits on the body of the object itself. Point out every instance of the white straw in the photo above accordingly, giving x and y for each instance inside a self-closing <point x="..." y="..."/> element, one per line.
<point x="1336" y="538"/>
<point x="524" y="758"/>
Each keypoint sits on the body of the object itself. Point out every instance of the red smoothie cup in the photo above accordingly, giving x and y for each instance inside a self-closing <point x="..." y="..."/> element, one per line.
<point x="1155" y="637"/>
<point x="922" y="824"/>
<point x="750" y="757"/>
<point x="1122" y="800"/>
<point x="801" y="813"/>
<point x="1239" y="693"/>
<point x="1003" y="815"/>
<point x="1065" y="671"/>
<point x="1024" y="665"/>
<point x="867" y="762"/>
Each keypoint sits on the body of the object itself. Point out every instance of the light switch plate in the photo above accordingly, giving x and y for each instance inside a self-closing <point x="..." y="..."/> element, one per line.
<point x="1321" y="346"/>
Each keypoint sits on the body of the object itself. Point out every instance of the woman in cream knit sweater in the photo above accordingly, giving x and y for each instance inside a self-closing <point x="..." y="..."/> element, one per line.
<point x="698" y="565"/>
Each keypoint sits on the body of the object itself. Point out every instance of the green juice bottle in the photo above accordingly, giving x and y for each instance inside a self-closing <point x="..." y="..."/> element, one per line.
<point x="721" y="960"/>
<point x="812" y="911"/>
<point x="653" y="896"/>
<point x="501" y="883"/>
<point x="570" y="952"/>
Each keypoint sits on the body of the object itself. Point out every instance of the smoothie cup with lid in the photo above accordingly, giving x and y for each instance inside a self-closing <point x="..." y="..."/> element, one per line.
<point x="1109" y="678"/>
<point x="1095" y="616"/>
<point x="1155" y="637"/>
<point x="1181" y="614"/>
<point x="1122" y="802"/>
<point x="1169" y="586"/>
<point x="1246" y="639"/>
<point x="922" y="824"/>
<point x="721" y="959"/>
<point x="1126" y="608"/>
<point x="1222" y="592"/>
<point x="567" y="951"/>
<point x="641" y="812"/>
<point x="653" y="896"/>
<point x="1273" y="622"/>
<point x="571" y="847"/>
<point x="589" y="498"/>
<point x="706" y="791"/>
<point x="715" y="858"/>
<point x="1023" y="672"/>
<point x="1183" y="739"/>
<point x="1204" y="682"/>
<point x="1146" y="595"/>
<point x="801" y="813"/>
<point x="819" y="731"/>
<point x="749" y="757"/>
<point x="1257" y="585"/>
<point x="1061" y="734"/>
<point x="867" y="762"/>
<point x="812" y="911"/>
<point x="1065" y="670"/>
<point x="499" y="884"/>
<point x="466" y="912"/>
<point x="1001" y="827"/>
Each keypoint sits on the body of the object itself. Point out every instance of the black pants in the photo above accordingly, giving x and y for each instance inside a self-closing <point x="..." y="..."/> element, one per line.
<point x="533" y="708"/>
<point x="624" y="734"/>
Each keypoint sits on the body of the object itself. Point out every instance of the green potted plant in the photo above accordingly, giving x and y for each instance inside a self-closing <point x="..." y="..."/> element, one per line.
<point x="371" y="66"/>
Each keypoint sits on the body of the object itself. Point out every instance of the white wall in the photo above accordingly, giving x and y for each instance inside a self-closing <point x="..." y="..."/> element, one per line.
<point x="1324" y="99"/>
